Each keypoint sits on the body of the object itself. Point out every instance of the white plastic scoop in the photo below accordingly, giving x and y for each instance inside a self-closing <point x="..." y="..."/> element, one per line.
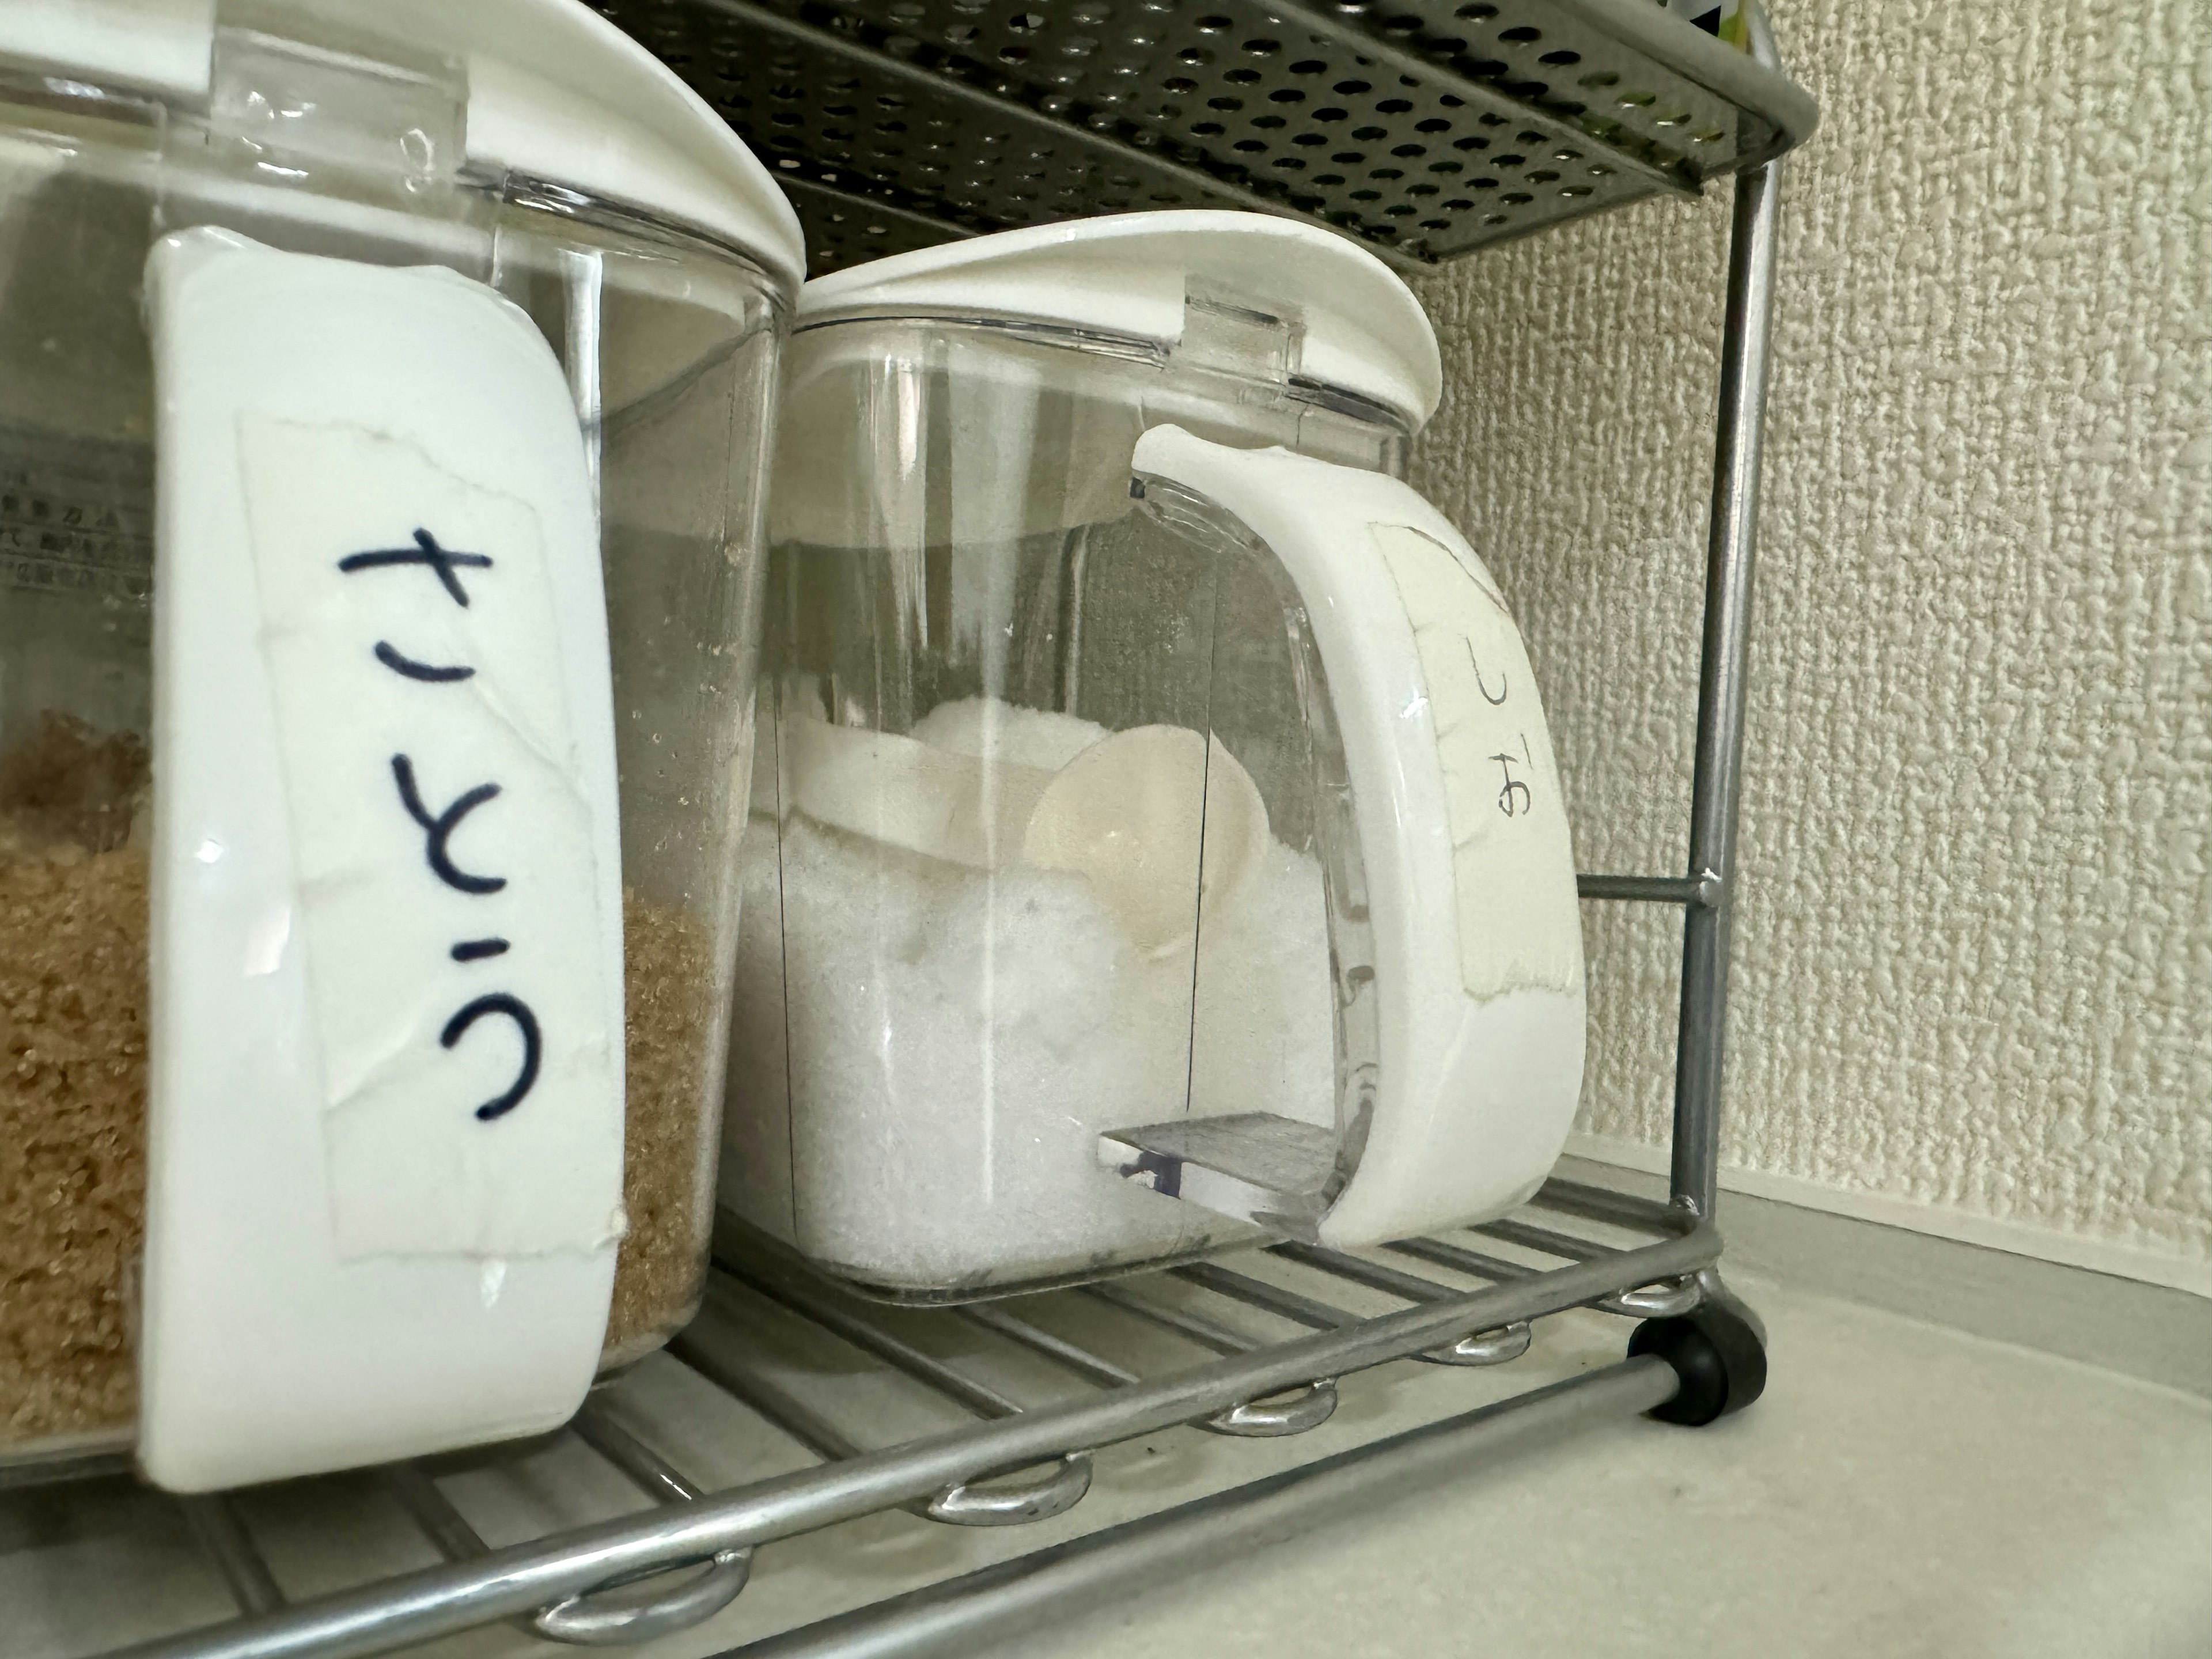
<point x="1134" y="813"/>
<point x="967" y="809"/>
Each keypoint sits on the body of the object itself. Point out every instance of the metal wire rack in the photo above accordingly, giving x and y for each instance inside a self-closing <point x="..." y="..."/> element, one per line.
<point x="1254" y="1347"/>
<point x="1202" y="1344"/>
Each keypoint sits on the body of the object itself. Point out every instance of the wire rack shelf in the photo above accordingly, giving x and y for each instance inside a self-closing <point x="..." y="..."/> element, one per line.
<point x="1427" y="130"/>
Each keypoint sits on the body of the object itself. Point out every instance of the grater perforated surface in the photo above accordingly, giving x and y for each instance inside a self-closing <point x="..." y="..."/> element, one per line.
<point x="1425" y="128"/>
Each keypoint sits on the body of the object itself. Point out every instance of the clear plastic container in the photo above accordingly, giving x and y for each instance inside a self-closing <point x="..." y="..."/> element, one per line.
<point x="1072" y="791"/>
<point x="595" y="236"/>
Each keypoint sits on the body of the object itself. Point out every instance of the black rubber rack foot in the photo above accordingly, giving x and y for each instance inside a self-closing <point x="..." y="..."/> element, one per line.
<point x="1719" y="1355"/>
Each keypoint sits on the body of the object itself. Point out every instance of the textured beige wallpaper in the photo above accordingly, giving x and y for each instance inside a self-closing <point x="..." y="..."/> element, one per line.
<point x="1976" y="925"/>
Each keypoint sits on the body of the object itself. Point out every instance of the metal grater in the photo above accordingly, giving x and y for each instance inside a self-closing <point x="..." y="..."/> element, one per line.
<point x="1423" y="128"/>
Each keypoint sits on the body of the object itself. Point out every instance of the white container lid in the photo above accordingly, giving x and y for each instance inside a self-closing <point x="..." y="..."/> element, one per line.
<point x="556" y="92"/>
<point x="1126" y="274"/>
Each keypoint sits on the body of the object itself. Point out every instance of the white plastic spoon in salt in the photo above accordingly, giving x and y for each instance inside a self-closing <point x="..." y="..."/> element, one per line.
<point x="969" y="809"/>
<point x="1135" y="812"/>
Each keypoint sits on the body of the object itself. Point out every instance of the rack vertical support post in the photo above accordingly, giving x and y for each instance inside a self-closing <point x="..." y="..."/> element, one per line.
<point x="1717" y="784"/>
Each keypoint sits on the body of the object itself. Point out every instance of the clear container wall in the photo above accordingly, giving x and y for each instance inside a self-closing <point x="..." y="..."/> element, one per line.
<point x="1038" y="830"/>
<point x="670" y="344"/>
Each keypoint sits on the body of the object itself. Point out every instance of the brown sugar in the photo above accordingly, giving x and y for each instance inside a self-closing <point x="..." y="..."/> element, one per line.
<point x="72" y="1136"/>
<point x="69" y="783"/>
<point x="72" y="1078"/>
<point x="667" y="1172"/>
<point x="73" y="993"/>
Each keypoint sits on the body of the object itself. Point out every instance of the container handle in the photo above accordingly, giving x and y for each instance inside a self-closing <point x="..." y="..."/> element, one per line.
<point x="1461" y="825"/>
<point x="385" y="974"/>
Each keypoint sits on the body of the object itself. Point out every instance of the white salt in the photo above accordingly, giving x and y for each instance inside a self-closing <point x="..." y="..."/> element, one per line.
<point x="921" y="1064"/>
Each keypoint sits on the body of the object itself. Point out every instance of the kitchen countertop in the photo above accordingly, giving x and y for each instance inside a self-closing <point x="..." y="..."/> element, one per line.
<point x="1902" y="1490"/>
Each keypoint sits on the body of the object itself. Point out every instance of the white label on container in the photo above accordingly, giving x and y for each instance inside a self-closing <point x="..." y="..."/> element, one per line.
<point x="442" y="846"/>
<point x="1519" y="927"/>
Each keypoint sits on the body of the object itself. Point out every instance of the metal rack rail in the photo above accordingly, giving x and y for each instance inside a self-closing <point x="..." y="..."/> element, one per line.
<point x="1467" y="1298"/>
<point x="1019" y="1460"/>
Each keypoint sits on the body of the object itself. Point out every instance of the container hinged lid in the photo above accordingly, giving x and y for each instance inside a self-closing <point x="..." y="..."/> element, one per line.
<point x="1360" y="328"/>
<point x="554" y="93"/>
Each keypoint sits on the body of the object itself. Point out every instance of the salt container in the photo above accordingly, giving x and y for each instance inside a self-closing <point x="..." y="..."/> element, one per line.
<point x="1156" y="843"/>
